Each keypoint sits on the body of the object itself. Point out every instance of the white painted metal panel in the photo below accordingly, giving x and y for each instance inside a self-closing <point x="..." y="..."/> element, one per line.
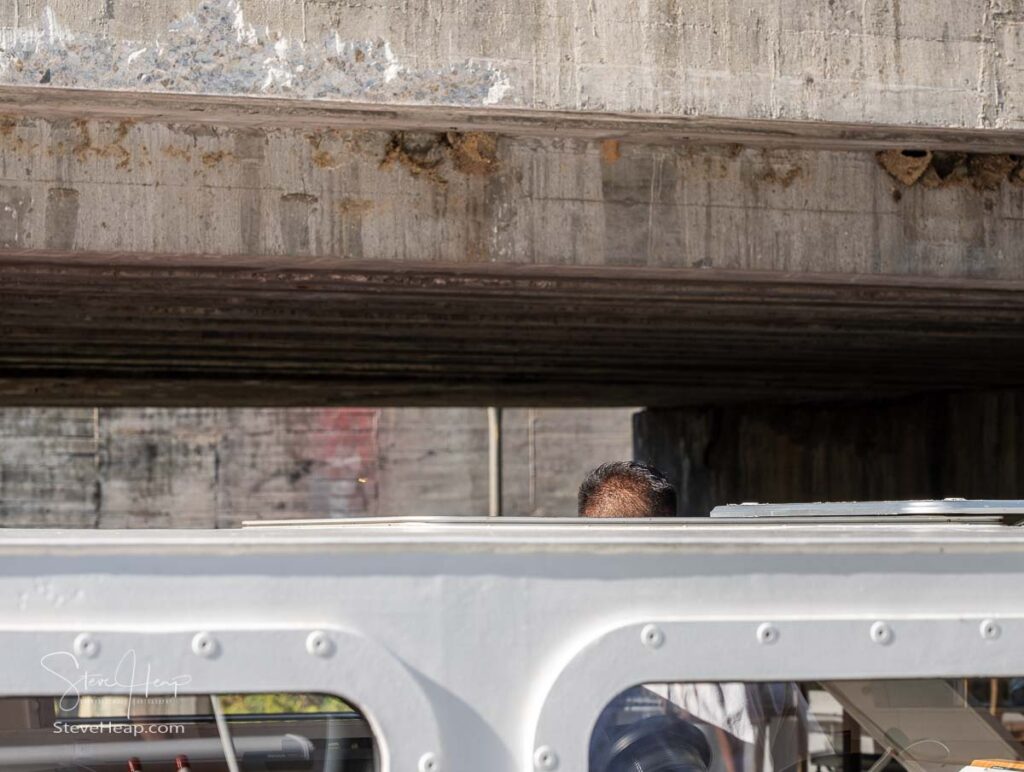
<point x="481" y="642"/>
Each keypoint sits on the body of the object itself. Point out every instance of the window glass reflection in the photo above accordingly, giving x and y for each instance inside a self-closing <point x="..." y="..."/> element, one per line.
<point x="273" y="731"/>
<point x="926" y="725"/>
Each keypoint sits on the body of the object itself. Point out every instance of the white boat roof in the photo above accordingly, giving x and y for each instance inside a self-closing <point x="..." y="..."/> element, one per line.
<point x="935" y="507"/>
<point x="950" y="531"/>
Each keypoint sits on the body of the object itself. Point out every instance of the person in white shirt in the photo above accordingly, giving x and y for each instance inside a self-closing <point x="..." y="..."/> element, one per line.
<point x="749" y="727"/>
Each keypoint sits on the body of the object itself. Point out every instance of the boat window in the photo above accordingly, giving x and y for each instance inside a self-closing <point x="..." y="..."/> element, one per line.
<point x="923" y="725"/>
<point x="198" y="733"/>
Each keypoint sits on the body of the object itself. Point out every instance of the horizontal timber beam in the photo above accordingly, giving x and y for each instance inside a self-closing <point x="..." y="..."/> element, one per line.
<point x="79" y="330"/>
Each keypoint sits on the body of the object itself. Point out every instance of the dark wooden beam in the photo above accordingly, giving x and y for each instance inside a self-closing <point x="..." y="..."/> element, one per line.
<point x="165" y="330"/>
<point x="930" y="446"/>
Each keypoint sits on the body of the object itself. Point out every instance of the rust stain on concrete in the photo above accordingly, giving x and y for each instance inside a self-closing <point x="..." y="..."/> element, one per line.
<point x="324" y="160"/>
<point x="329" y="147"/>
<point x="936" y="170"/>
<point x="773" y="176"/>
<point x="359" y="206"/>
<point x="474" y="152"/>
<point x="123" y="127"/>
<point x="420" y="154"/>
<point x="173" y="151"/>
<point x="85" y="148"/>
<point x="216" y="157"/>
<point x="779" y="169"/>
<point x="987" y="172"/>
<point x="9" y="136"/>
<point x="610" y="151"/>
<point x="84" y="143"/>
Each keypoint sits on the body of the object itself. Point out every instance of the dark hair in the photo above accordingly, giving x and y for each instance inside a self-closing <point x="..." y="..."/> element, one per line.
<point x="626" y="489"/>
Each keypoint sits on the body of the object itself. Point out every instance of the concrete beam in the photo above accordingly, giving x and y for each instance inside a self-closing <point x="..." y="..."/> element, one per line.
<point x="279" y="197"/>
<point x="927" y="65"/>
<point x="318" y="115"/>
<point x="171" y="264"/>
<point x="285" y="194"/>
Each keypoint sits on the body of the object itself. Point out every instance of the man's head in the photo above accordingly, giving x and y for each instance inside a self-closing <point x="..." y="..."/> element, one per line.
<point x="626" y="489"/>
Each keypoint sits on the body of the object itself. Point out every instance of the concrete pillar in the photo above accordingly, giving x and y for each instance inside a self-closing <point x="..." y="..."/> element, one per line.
<point x="968" y="445"/>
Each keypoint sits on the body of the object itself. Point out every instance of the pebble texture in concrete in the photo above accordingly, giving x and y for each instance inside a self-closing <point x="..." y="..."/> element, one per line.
<point x="939" y="63"/>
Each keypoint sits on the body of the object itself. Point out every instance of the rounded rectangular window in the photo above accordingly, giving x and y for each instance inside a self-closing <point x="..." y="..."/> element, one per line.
<point x="195" y="733"/>
<point x="919" y="725"/>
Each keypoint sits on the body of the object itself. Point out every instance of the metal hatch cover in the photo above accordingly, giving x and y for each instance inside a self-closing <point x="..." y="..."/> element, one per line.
<point x="1008" y="511"/>
<point x="960" y="511"/>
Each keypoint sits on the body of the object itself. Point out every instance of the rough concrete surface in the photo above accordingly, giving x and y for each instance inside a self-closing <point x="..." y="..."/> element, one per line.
<point x="199" y="190"/>
<point x="274" y="194"/>
<point x="947" y="63"/>
<point x="216" y="468"/>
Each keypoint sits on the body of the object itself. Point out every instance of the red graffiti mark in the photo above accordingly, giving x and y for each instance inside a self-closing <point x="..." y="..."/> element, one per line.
<point x="343" y="446"/>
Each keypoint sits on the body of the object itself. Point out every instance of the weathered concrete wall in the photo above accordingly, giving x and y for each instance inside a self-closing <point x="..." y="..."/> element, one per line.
<point x="313" y="136"/>
<point x="966" y="445"/>
<point x="437" y="458"/>
<point x="216" y="468"/>
<point x="202" y="191"/>
<point x="945" y="63"/>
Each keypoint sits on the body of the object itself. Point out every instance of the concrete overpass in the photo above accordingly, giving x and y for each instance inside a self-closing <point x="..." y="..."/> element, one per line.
<point x="794" y="229"/>
<point x="560" y="202"/>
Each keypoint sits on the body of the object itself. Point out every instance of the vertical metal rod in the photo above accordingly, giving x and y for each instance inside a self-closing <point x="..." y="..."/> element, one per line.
<point x="226" y="741"/>
<point x="494" y="460"/>
<point x="333" y="761"/>
<point x="531" y="433"/>
<point x="851" y="744"/>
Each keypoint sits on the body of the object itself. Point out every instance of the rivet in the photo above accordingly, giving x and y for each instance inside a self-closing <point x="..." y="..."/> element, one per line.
<point x="86" y="646"/>
<point x="545" y="759"/>
<point x="767" y="633"/>
<point x="205" y="645"/>
<point x="429" y="763"/>
<point x="990" y="629"/>
<point x="652" y="636"/>
<point x="319" y="644"/>
<point x="881" y="633"/>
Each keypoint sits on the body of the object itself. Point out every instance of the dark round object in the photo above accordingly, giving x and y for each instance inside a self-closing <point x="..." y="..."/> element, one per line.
<point x="655" y="744"/>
